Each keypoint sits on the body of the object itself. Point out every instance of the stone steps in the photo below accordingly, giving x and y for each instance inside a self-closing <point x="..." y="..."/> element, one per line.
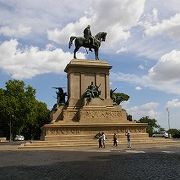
<point x="91" y="136"/>
<point x="94" y="142"/>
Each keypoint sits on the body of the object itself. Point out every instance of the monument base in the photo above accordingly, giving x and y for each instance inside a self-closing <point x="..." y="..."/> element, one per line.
<point x="79" y="131"/>
<point x="93" y="112"/>
<point x="83" y="118"/>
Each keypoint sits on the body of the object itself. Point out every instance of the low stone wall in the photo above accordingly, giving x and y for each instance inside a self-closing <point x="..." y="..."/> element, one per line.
<point x="80" y="131"/>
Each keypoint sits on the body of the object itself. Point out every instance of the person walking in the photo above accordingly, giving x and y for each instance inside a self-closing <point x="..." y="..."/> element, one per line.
<point x="103" y="139"/>
<point x="128" y="134"/>
<point x="115" y="141"/>
<point x="100" y="139"/>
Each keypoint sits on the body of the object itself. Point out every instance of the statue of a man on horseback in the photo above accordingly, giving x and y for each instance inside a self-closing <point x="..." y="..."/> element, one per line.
<point x="88" y="36"/>
<point x="88" y="41"/>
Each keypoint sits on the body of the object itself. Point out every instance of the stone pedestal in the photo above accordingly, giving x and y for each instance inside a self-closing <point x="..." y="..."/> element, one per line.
<point x="80" y="74"/>
<point x="80" y="119"/>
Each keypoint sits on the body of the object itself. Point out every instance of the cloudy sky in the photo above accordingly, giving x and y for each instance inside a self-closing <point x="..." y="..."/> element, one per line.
<point x="142" y="45"/>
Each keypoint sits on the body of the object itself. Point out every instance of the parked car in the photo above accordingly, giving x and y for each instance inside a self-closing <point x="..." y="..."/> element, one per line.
<point x="19" y="138"/>
<point x="161" y="134"/>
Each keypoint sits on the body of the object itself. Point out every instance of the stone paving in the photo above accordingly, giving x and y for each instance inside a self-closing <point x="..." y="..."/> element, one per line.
<point x="14" y="146"/>
<point x="90" y="164"/>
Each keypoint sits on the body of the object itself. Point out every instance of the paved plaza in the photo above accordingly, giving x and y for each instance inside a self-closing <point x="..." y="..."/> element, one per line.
<point x="90" y="164"/>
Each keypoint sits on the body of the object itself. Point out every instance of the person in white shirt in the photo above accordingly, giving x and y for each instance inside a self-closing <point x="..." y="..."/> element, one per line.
<point x="103" y="139"/>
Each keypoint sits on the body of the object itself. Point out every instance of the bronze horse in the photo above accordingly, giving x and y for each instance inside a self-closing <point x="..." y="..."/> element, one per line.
<point x="82" y="42"/>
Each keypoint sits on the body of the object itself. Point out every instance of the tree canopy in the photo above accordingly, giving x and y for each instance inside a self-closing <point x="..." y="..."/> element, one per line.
<point x="152" y="124"/>
<point x="18" y="105"/>
<point x="175" y="133"/>
<point x="121" y="97"/>
<point x="118" y="97"/>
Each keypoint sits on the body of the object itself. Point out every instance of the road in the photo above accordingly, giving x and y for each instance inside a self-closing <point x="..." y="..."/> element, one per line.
<point x="104" y="164"/>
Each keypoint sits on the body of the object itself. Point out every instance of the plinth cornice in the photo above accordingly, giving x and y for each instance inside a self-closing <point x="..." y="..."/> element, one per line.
<point x="88" y="63"/>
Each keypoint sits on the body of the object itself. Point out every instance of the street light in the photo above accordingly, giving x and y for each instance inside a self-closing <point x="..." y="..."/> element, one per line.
<point x="10" y="128"/>
<point x="168" y="120"/>
<point x="168" y="117"/>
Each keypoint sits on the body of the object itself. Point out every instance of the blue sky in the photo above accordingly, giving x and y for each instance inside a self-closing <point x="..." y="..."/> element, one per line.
<point x="142" y="45"/>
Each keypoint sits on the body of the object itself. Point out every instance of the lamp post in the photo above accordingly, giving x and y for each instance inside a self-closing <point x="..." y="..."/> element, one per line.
<point x="10" y="128"/>
<point x="168" y="113"/>
<point x="168" y="118"/>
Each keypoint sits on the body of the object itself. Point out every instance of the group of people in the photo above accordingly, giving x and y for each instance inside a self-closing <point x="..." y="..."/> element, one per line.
<point x="102" y="138"/>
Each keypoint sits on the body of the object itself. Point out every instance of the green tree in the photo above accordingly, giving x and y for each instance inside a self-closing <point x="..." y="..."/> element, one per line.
<point x="120" y="97"/>
<point x="161" y="129"/>
<point x="3" y="125"/>
<point x="152" y="124"/>
<point x="175" y="133"/>
<point x="19" y="106"/>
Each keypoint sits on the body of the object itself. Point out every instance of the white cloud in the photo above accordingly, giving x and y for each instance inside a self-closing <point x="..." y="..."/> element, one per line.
<point x="148" y="19"/>
<point x="173" y="113"/>
<point x="155" y="14"/>
<point x="170" y="27"/>
<point x="119" y="19"/>
<point x="141" y="67"/>
<point x="163" y="76"/>
<point x="131" y="78"/>
<point x="170" y="7"/>
<point x="50" y="47"/>
<point x="148" y="81"/>
<point x="174" y="103"/>
<point x="147" y="109"/>
<point x="62" y="36"/>
<point x="167" y="68"/>
<point x="138" y="88"/>
<point x="152" y="49"/>
<point x="151" y="109"/>
<point x="158" y="30"/>
<point x="121" y="50"/>
<point x="125" y="12"/>
<point x="114" y="17"/>
<point x="20" y="31"/>
<point x="29" y="62"/>
<point x="41" y="15"/>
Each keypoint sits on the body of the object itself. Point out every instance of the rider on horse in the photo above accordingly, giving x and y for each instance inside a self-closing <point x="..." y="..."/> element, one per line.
<point x="88" y="36"/>
<point x="88" y="41"/>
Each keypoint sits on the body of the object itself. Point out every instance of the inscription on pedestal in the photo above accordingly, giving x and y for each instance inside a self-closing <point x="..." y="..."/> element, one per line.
<point x="63" y="131"/>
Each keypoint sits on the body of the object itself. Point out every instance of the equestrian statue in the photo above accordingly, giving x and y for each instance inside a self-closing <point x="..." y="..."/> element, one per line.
<point x="88" y="41"/>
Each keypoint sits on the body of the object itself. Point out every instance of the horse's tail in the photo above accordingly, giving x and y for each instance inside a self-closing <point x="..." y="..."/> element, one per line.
<point x="71" y="41"/>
